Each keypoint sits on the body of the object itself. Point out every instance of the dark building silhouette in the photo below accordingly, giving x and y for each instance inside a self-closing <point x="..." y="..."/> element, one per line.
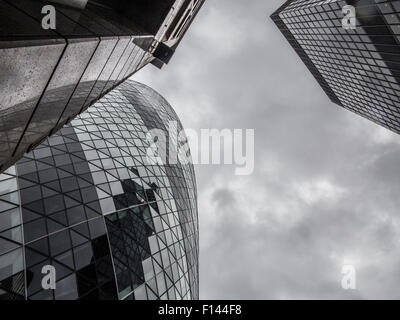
<point x="88" y="202"/>
<point x="358" y="68"/>
<point x="48" y="76"/>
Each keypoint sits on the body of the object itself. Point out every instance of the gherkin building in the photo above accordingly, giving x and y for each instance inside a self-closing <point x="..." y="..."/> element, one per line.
<point x="88" y="203"/>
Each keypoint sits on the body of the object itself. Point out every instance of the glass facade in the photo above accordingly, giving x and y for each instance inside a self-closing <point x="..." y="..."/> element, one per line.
<point x="359" y="69"/>
<point x="88" y="202"/>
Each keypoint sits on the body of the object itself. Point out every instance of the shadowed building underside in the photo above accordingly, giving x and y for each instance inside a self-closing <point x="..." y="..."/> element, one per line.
<point x="48" y="76"/>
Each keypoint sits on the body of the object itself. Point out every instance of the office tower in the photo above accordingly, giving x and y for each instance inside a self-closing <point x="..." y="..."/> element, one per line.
<point x="356" y="61"/>
<point x="59" y="57"/>
<point x="89" y="202"/>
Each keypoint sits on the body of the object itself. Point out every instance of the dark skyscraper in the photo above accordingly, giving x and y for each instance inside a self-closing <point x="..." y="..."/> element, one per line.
<point x="56" y="63"/>
<point x="357" y="66"/>
<point x="89" y="203"/>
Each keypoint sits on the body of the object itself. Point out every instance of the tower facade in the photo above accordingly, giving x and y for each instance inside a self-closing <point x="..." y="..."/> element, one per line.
<point x="89" y="203"/>
<point x="58" y="57"/>
<point x="352" y="48"/>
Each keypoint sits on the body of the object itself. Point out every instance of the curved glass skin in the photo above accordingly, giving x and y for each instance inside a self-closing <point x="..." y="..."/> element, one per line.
<point x="87" y="202"/>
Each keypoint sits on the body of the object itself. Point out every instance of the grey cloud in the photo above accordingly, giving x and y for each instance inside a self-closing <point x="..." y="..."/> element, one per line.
<point x="326" y="182"/>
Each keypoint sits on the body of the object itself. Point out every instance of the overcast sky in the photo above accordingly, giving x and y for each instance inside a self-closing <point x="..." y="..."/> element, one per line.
<point x="325" y="191"/>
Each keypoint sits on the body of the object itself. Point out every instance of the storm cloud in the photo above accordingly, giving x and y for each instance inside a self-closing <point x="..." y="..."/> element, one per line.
<point x="325" y="191"/>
